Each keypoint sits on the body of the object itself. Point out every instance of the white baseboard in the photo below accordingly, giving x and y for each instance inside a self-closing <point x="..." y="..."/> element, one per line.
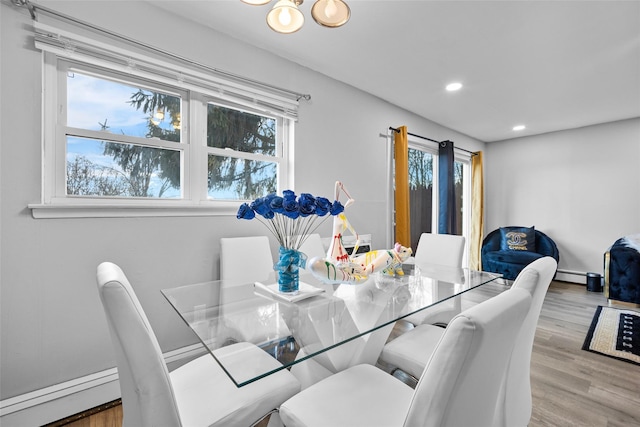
<point x="571" y="276"/>
<point x="59" y="401"/>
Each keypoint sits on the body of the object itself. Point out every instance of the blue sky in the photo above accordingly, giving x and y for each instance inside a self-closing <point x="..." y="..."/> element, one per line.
<point x="92" y="102"/>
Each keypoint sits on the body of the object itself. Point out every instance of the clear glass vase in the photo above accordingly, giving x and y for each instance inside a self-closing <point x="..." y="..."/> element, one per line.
<point x="289" y="263"/>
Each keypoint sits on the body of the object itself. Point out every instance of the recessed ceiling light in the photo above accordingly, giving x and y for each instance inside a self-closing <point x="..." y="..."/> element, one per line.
<point x="519" y="127"/>
<point x="451" y="87"/>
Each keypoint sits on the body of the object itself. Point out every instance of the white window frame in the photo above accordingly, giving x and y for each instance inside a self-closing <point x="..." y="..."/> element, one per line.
<point x="196" y="88"/>
<point x="284" y="129"/>
<point x="55" y="165"/>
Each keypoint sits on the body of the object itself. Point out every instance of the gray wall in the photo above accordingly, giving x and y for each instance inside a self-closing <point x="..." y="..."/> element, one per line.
<point x="581" y="187"/>
<point x="53" y="327"/>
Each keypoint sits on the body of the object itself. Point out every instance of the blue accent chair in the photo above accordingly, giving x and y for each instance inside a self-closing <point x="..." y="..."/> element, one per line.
<point x="510" y="263"/>
<point x="622" y="270"/>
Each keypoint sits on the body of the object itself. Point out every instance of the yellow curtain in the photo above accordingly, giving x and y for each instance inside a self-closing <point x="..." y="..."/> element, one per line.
<point x="401" y="156"/>
<point x="477" y="211"/>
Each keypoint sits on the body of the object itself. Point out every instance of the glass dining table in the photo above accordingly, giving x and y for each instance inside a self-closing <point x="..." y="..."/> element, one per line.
<point x="332" y="326"/>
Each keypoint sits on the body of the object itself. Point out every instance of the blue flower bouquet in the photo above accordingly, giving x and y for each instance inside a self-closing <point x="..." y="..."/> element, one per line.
<point x="291" y="219"/>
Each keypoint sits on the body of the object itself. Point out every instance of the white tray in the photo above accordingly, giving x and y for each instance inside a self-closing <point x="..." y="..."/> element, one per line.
<point x="304" y="291"/>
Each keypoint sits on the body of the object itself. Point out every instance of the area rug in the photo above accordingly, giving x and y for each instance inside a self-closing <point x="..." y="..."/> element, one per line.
<point x="615" y="333"/>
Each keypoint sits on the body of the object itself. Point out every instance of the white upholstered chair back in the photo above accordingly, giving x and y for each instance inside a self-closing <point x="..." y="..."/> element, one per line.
<point x="442" y="249"/>
<point x="199" y="392"/>
<point x="147" y="395"/>
<point x="313" y="247"/>
<point x="462" y="380"/>
<point x="515" y="404"/>
<point x="245" y="259"/>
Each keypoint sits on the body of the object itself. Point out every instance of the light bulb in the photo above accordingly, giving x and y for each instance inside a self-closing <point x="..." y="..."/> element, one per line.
<point x="284" y="17"/>
<point x="330" y="13"/>
<point x="452" y="87"/>
<point x="330" y="10"/>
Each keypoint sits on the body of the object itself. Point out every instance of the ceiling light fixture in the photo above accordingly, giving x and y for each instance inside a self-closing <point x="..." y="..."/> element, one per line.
<point x="286" y="18"/>
<point x="519" y="127"/>
<point x="452" y="87"/>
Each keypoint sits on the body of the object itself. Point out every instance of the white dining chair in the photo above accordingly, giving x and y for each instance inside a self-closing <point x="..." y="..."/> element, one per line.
<point x="440" y="249"/>
<point x="312" y="247"/>
<point x="245" y="259"/>
<point x="198" y="393"/>
<point x="515" y="405"/>
<point x="459" y="386"/>
<point x="410" y="352"/>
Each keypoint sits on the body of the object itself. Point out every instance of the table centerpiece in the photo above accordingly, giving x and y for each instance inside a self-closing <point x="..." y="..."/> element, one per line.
<point x="291" y="219"/>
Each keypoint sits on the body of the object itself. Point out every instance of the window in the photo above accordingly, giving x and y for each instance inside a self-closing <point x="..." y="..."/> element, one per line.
<point x="153" y="137"/>
<point x="251" y="170"/>
<point x="421" y="199"/>
<point x="120" y="139"/>
<point x="423" y="203"/>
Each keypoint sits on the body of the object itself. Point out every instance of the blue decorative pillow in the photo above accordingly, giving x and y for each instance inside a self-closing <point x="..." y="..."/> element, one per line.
<point x="518" y="239"/>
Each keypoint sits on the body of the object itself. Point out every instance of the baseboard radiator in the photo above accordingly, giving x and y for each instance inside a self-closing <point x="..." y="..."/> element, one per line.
<point x="59" y="401"/>
<point x="579" y="277"/>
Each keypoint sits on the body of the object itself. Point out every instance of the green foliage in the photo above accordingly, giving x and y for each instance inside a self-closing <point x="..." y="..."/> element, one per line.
<point x="139" y="165"/>
<point x="244" y="132"/>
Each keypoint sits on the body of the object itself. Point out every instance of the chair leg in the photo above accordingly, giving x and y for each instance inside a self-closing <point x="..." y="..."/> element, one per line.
<point x="405" y="377"/>
<point x="266" y="420"/>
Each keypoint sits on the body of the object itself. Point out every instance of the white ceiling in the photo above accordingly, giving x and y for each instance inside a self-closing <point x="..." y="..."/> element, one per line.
<point x="549" y="65"/>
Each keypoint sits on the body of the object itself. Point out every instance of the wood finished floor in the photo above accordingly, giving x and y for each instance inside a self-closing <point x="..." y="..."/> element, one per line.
<point x="570" y="386"/>
<point x="573" y="387"/>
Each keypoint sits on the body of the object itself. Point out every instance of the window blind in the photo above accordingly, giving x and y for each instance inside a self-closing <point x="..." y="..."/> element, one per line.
<point x="168" y="69"/>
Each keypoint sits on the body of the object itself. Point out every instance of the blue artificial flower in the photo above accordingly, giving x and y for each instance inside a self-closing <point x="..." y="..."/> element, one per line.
<point x="307" y="204"/>
<point x="262" y="207"/>
<point x="288" y="195"/>
<point x="269" y="197"/>
<point x="290" y="205"/>
<point x="245" y="212"/>
<point x="292" y="213"/>
<point x="292" y="208"/>
<point x="276" y="204"/>
<point x="322" y="206"/>
<point x="336" y="208"/>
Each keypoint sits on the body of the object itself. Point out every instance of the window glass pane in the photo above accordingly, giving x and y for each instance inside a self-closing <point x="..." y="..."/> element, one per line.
<point x="420" y="193"/>
<point x="233" y="178"/>
<point x="104" y="105"/>
<point x="102" y="168"/>
<point x="240" y="131"/>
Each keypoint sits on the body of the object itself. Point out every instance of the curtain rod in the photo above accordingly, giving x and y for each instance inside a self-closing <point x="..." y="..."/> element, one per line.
<point x="442" y="143"/>
<point x="33" y="8"/>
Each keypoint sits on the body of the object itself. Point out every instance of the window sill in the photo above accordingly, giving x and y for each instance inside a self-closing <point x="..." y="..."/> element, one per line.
<point x="52" y="211"/>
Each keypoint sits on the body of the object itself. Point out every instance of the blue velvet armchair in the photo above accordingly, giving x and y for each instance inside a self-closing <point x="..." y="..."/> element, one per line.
<point x="622" y="270"/>
<point x="497" y="259"/>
